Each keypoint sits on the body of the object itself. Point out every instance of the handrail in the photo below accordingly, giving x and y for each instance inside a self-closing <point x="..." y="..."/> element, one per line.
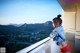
<point x="34" y="46"/>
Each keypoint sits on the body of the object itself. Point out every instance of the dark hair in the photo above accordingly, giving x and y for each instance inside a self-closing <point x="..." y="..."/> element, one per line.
<point x="58" y="19"/>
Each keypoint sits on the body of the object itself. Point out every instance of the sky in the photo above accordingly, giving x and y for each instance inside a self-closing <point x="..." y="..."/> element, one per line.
<point x="28" y="11"/>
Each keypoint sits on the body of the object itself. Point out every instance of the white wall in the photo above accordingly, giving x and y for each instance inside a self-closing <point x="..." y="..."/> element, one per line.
<point x="78" y="19"/>
<point x="71" y="20"/>
<point x="68" y="21"/>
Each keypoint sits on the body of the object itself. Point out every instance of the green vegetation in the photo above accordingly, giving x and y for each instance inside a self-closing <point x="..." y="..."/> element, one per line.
<point x="16" y="38"/>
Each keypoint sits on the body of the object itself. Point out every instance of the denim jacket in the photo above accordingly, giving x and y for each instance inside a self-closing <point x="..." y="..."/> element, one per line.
<point x="58" y="35"/>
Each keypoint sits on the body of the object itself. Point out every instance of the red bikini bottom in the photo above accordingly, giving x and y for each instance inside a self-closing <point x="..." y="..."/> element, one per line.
<point x="66" y="49"/>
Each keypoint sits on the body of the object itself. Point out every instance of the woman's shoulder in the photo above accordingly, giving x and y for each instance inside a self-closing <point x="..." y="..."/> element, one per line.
<point x="59" y="29"/>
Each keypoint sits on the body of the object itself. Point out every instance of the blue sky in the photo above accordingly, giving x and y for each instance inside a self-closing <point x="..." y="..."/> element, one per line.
<point x="28" y="11"/>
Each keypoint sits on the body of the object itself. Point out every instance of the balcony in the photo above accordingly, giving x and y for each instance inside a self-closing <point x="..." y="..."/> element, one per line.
<point x="46" y="45"/>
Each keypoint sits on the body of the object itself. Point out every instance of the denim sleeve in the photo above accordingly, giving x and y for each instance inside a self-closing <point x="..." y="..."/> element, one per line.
<point x="54" y="36"/>
<point x="61" y="34"/>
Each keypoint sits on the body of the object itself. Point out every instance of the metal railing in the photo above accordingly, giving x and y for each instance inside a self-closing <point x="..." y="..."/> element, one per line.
<point x="34" y="46"/>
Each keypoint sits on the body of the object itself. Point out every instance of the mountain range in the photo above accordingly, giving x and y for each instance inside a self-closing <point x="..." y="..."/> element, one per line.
<point x="16" y="29"/>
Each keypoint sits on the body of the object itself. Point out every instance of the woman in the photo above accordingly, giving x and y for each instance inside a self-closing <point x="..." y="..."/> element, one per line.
<point x="58" y="35"/>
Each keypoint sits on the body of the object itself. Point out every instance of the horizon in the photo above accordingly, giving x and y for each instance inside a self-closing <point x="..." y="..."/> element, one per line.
<point x="22" y="23"/>
<point x="28" y="11"/>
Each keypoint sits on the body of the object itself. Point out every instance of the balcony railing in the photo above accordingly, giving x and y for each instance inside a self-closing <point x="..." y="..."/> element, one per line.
<point x="46" y="45"/>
